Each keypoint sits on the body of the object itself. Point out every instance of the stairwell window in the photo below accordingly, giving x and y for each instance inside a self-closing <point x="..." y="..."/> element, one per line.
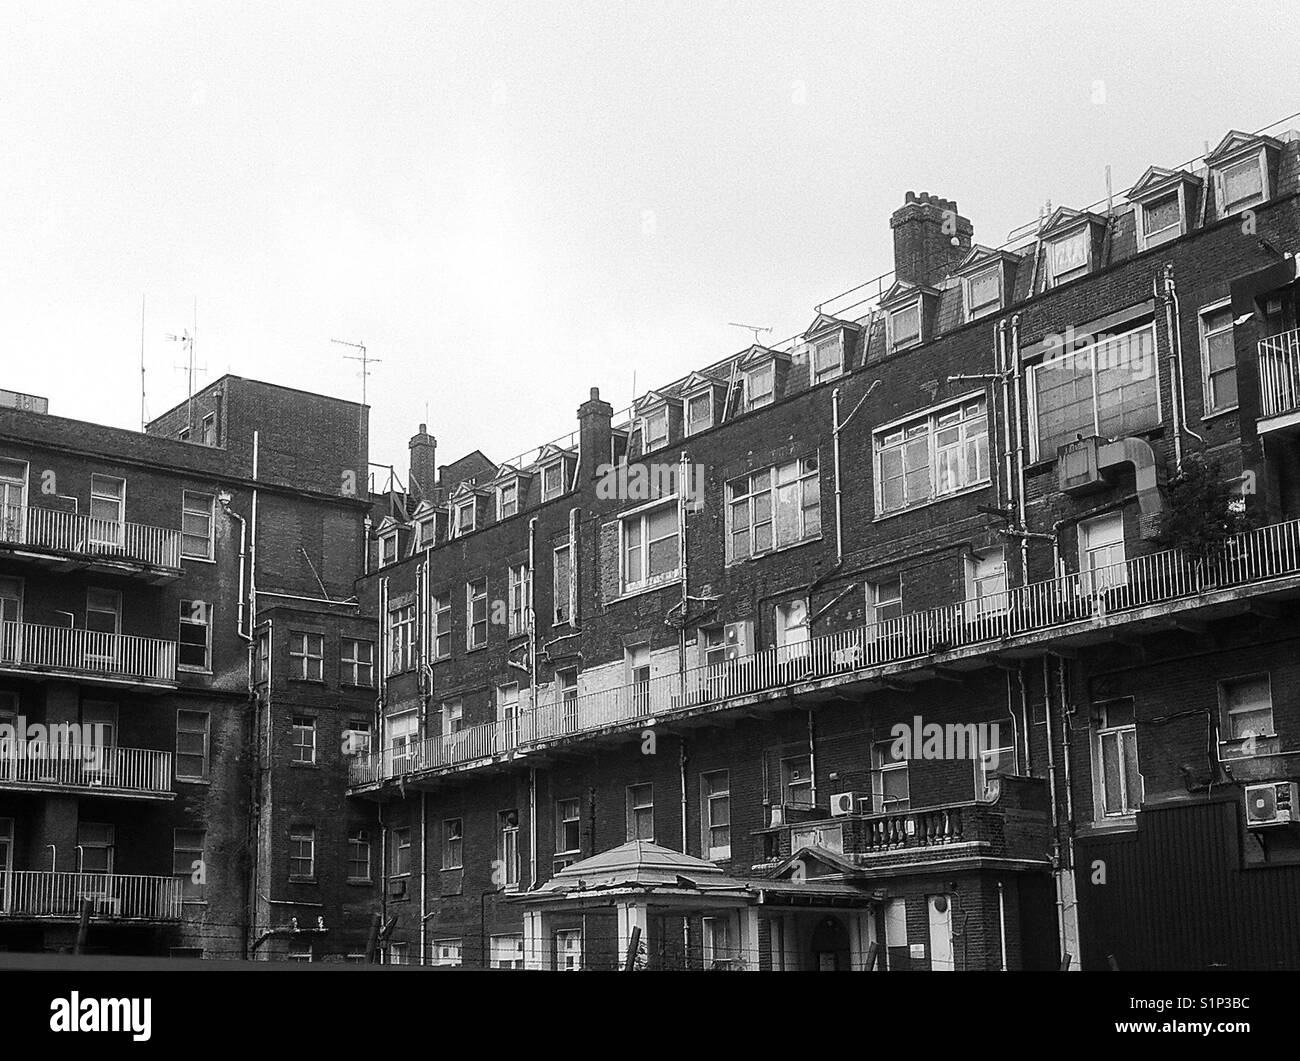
<point x="773" y="508"/>
<point x="651" y="548"/>
<point x="476" y="614"/>
<point x="1116" y="758"/>
<point x="1218" y="359"/>
<point x="715" y="814"/>
<point x="931" y="456"/>
<point x="196" y="525"/>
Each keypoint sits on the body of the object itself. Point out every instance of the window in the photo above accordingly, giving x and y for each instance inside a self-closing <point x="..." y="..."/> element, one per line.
<point x="96" y="842"/>
<point x="517" y="614"/>
<point x="1069" y="257"/>
<point x="302" y="852"/>
<point x="403" y="733"/>
<point x="466" y="511"/>
<point x="1101" y="553"/>
<point x="760" y="386"/>
<point x="641" y="812"/>
<point x="401" y="638"/>
<point x="773" y="508"/>
<point x="358" y="853"/>
<point x="1109" y="388"/>
<point x="568" y="950"/>
<point x="453" y="843"/>
<point x="304" y="739"/>
<point x="507" y="499"/>
<point x="507" y="952"/>
<point x="796" y="781"/>
<point x="1117" y="758"/>
<point x="388" y="548"/>
<point x="552" y="480"/>
<point x="651" y="550"/>
<point x="307" y="651"/>
<point x="399" y="852"/>
<point x="885" y="600"/>
<point x="187" y="861"/>
<point x="889" y="790"/>
<point x="1242" y="184"/>
<point x="508" y="847"/>
<point x="717" y="942"/>
<point x="192" y="745"/>
<point x="562" y="587"/>
<point x="445" y="952"/>
<point x="194" y="647"/>
<point x="904" y="326"/>
<point x="196" y="525"/>
<point x="453" y="717"/>
<point x="476" y="614"/>
<point x="1162" y="219"/>
<point x="1218" y="359"/>
<point x="107" y="509"/>
<point x="568" y="832"/>
<point x="1247" y="709"/>
<point x="358" y="663"/>
<point x="986" y="584"/>
<point x="654" y="429"/>
<point x="828" y="357"/>
<point x="983" y="292"/>
<point x="699" y="412"/>
<point x="932" y="456"/>
<point x="715" y="814"/>
<point x="442" y="626"/>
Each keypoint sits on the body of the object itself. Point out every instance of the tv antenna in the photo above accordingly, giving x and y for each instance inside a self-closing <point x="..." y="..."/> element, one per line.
<point x="750" y="327"/>
<point x="186" y="339"/>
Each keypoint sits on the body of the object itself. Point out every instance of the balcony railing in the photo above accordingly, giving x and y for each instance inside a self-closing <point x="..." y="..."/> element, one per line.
<point x="43" y="893"/>
<point x="47" y="764"/>
<point x="1158" y="578"/>
<point x="72" y="532"/>
<point x="60" y="648"/>
<point x="1279" y="374"/>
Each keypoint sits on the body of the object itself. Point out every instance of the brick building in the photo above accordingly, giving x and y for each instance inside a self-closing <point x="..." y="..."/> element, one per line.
<point x="137" y="571"/>
<point x="881" y="644"/>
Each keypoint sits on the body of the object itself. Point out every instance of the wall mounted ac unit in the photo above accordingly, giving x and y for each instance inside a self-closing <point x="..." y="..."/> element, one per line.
<point x="843" y="803"/>
<point x="1274" y="803"/>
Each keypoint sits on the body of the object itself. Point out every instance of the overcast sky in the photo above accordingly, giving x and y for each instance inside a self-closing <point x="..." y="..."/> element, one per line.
<point x="512" y="203"/>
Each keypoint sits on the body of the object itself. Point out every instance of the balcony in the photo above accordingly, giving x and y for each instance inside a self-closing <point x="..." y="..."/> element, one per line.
<point x="59" y="539"/>
<point x="59" y="651"/>
<point x="49" y="895"/>
<point x="44" y="766"/>
<point x="1071" y="609"/>
<point x="1279" y="381"/>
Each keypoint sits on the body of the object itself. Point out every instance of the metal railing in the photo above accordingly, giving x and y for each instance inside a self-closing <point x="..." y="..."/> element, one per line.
<point x="72" y="532"/>
<point x="62" y="648"/>
<point x="45" y="893"/>
<point x="1279" y="373"/>
<point x="1143" y="581"/>
<point x="47" y="762"/>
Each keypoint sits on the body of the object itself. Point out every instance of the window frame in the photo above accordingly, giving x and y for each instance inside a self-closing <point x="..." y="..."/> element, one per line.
<point x="210" y="514"/>
<point x="1209" y="409"/>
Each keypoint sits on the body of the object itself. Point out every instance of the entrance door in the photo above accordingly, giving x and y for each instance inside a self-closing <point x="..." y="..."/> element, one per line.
<point x="940" y="908"/>
<point x="13" y="499"/>
<point x="11" y="617"/>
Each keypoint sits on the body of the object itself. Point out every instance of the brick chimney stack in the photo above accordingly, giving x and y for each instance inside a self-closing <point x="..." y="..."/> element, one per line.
<point x="422" y="482"/>
<point x="930" y="238"/>
<point x="595" y="418"/>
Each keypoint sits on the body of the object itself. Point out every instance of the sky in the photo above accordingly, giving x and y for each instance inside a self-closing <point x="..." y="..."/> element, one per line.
<point x="510" y="204"/>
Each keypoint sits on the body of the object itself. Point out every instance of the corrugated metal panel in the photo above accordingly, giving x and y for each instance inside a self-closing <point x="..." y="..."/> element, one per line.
<point x="1176" y="896"/>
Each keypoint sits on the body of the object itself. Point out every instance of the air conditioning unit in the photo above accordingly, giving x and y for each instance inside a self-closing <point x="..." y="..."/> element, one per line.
<point x="1274" y="803"/>
<point x="843" y="803"/>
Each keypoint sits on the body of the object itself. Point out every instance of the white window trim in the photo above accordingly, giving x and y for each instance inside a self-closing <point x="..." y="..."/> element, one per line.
<point x="931" y="416"/>
<point x="1171" y="232"/>
<point x="1201" y="314"/>
<point x="967" y="283"/>
<point x="897" y="311"/>
<point x="1220" y="182"/>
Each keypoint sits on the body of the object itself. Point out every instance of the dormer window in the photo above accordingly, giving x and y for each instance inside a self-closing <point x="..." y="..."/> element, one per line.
<point x="464" y="516"/>
<point x="699" y="412"/>
<point x="654" y="429"/>
<point x="828" y="357"/>
<point x="507" y="499"/>
<point x="760" y="386"/>
<point x="904" y="326"/>
<point x="1243" y="183"/>
<point x="552" y="480"/>
<point x="983" y="292"/>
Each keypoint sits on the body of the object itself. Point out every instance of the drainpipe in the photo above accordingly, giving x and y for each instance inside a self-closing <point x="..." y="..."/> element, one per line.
<point x="1020" y="448"/>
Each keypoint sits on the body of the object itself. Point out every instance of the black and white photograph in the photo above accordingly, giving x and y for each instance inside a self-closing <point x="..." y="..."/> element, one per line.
<point x="628" y="487"/>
